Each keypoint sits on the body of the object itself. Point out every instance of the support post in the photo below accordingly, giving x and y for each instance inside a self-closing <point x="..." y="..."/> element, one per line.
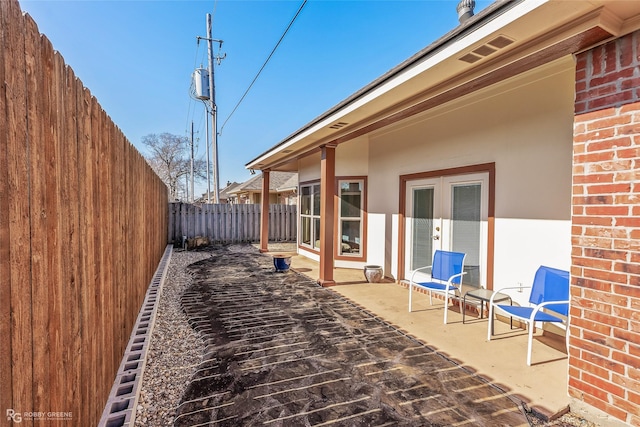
<point x="264" y="213"/>
<point x="327" y="203"/>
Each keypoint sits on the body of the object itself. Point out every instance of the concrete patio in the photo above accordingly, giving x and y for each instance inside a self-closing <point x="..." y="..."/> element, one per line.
<point x="542" y="386"/>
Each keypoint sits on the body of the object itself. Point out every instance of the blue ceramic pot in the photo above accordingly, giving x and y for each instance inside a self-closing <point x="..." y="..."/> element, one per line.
<point x="282" y="263"/>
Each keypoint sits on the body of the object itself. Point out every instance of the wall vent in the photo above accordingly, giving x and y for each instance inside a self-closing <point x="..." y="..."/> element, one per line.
<point x="500" y="42"/>
<point x="487" y="49"/>
<point x="484" y="50"/>
<point x="338" y="125"/>
<point x="470" y="58"/>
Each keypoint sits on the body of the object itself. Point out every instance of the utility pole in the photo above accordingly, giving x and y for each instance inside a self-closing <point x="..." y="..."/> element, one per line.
<point x="192" y="189"/>
<point x="208" y="162"/>
<point x="214" y="113"/>
<point x="186" y="188"/>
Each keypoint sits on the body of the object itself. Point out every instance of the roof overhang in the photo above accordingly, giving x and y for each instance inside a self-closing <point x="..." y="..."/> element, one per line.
<point x="504" y="40"/>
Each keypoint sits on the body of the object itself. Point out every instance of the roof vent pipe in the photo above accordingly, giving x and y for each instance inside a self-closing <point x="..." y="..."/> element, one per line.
<point x="465" y="10"/>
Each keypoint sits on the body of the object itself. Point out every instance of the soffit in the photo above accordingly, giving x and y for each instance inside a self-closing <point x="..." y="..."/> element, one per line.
<point x="511" y="42"/>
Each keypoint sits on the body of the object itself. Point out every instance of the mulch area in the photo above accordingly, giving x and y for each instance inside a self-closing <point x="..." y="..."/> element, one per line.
<point x="282" y="351"/>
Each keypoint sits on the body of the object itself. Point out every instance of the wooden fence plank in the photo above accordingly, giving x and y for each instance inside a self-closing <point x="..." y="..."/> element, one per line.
<point x="224" y="224"/>
<point x="40" y="72"/>
<point x="117" y="244"/>
<point x="57" y="203"/>
<point x="97" y="314"/>
<point x="6" y="391"/>
<point x="112" y="355"/>
<point x="73" y="292"/>
<point x="18" y="180"/>
<point x="86" y="246"/>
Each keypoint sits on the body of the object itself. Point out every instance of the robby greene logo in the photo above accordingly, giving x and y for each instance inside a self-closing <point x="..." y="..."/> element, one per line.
<point x="18" y="417"/>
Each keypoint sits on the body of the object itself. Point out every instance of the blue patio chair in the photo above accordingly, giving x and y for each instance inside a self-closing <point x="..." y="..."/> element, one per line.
<point x="549" y="302"/>
<point x="446" y="277"/>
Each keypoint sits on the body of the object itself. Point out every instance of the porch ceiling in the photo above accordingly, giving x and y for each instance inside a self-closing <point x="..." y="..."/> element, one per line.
<point x="504" y="40"/>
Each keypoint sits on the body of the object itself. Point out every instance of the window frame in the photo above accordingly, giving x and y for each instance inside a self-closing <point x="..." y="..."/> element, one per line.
<point x="312" y="217"/>
<point x="362" y="255"/>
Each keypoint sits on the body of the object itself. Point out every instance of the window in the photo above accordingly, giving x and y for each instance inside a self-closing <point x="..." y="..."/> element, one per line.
<point x="310" y="215"/>
<point x="350" y="220"/>
<point x="466" y="223"/>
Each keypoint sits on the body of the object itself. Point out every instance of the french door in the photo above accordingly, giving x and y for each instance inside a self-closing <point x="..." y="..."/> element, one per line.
<point x="448" y="213"/>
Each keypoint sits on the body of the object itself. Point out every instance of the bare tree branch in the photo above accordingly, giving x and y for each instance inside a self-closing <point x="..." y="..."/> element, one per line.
<point x="170" y="159"/>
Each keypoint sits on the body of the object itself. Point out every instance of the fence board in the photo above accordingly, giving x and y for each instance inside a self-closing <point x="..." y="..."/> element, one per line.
<point x="19" y="250"/>
<point x="86" y="247"/>
<point x="40" y="74"/>
<point x="97" y="316"/>
<point x="73" y="292"/>
<point x="55" y="252"/>
<point x="223" y="223"/>
<point x="83" y="219"/>
<point x="5" y="236"/>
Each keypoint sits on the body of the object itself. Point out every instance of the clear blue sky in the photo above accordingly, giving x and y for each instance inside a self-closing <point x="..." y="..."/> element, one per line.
<point x="137" y="58"/>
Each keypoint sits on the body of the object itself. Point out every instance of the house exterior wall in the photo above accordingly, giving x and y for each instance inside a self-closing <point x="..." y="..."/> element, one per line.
<point x="522" y="125"/>
<point x="351" y="160"/>
<point x="604" y="354"/>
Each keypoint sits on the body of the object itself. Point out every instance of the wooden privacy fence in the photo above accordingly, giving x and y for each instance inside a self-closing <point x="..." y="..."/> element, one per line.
<point x="83" y="223"/>
<point x="223" y="223"/>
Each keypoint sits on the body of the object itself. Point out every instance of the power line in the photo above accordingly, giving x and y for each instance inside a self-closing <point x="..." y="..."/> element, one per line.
<point x="304" y="2"/>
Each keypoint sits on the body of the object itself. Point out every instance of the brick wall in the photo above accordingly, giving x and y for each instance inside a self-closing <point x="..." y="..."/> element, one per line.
<point x="604" y="352"/>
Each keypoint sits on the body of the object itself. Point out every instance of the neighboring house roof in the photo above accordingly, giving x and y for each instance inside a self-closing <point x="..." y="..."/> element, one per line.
<point x="505" y="39"/>
<point x="278" y="182"/>
<point x="224" y="192"/>
<point x="288" y="185"/>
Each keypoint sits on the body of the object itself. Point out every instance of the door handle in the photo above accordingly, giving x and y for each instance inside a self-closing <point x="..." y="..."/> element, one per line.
<point x="436" y="237"/>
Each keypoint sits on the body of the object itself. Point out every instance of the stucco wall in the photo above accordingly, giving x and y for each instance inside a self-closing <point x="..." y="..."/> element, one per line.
<point x="524" y="125"/>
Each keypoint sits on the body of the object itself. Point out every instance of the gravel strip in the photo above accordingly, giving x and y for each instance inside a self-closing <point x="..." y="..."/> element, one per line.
<point x="175" y="349"/>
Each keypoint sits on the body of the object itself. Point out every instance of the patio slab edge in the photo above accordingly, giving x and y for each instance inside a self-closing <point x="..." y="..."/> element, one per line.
<point x="120" y="409"/>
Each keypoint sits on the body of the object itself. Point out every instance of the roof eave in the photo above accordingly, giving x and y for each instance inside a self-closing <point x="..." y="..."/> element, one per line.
<point x="383" y="97"/>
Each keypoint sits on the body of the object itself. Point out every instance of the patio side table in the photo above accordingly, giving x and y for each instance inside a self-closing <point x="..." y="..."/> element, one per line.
<point x="484" y="296"/>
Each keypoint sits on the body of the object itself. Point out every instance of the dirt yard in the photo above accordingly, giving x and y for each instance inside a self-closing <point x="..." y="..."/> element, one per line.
<point x="282" y="351"/>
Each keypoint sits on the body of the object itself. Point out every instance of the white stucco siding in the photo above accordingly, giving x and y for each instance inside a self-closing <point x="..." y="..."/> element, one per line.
<point x="522" y="245"/>
<point x="352" y="158"/>
<point x="309" y="168"/>
<point x="525" y="127"/>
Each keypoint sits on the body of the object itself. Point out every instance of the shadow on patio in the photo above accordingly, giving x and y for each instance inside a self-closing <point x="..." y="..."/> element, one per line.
<point x="502" y="361"/>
